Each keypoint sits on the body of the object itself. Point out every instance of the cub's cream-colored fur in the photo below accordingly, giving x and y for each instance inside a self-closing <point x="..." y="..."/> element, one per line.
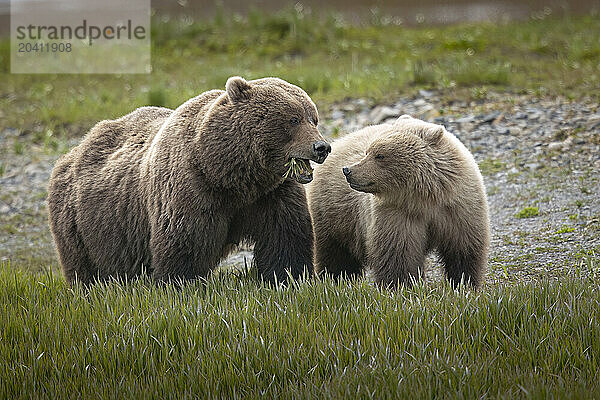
<point x="408" y="188"/>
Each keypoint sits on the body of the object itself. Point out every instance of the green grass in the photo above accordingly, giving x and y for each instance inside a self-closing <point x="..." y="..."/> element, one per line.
<point x="528" y="212"/>
<point x="565" y="229"/>
<point x="491" y="166"/>
<point x="234" y="338"/>
<point x="324" y="54"/>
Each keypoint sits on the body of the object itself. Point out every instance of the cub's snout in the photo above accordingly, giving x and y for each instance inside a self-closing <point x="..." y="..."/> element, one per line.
<point x="357" y="179"/>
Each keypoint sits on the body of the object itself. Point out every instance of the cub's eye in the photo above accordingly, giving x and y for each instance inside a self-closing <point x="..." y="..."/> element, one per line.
<point x="294" y="120"/>
<point x="379" y="157"/>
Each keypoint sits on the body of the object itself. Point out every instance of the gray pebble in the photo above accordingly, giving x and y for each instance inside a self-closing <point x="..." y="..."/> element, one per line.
<point x="380" y="114"/>
<point x="466" y="119"/>
<point x="488" y="118"/>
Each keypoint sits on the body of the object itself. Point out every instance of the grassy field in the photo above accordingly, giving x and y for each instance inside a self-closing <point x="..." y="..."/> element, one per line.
<point x="233" y="338"/>
<point x="328" y="57"/>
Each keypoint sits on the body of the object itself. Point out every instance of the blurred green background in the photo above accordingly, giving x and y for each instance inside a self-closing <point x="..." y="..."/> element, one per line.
<point x="334" y="50"/>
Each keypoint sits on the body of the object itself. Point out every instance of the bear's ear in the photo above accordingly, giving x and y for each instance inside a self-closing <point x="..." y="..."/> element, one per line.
<point x="433" y="135"/>
<point x="403" y="118"/>
<point x="237" y="89"/>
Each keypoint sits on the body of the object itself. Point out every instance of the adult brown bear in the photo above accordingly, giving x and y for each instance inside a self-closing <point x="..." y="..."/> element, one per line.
<point x="172" y="191"/>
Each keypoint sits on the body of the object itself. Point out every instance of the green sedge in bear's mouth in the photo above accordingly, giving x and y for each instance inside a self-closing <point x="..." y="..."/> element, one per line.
<point x="299" y="169"/>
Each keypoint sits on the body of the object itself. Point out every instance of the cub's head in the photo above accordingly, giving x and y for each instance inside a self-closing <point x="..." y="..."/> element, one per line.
<point x="281" y="121"/>
<point x="402" y="159"/>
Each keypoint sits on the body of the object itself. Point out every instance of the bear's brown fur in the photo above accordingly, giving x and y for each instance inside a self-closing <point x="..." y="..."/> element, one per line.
<point x="171" y="191"/>
<point x="416" y="189"/>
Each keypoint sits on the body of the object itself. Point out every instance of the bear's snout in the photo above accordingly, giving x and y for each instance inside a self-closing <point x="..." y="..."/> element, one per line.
<point x="321" y="150"/>
<point x="357" y="179"/>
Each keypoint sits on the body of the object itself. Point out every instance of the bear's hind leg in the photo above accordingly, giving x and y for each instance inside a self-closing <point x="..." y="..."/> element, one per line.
<point x="73" y="257"/>
<point x="72" y="254"/>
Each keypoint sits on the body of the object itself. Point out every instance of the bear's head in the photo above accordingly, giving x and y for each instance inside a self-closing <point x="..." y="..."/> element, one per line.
<point x="402" y="160"/>
<point x="267" y="124"/>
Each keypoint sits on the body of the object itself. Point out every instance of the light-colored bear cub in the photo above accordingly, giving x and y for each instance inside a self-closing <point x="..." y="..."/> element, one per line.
<point x="390" y="194"/>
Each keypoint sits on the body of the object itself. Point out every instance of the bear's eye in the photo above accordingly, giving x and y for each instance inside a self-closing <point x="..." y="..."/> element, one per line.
<point x="379" y="157"/>
<point x="294" y="120"/>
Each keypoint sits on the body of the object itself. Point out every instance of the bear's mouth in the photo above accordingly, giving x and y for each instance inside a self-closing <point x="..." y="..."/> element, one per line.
<point x="299" y="169"/>
<point x="367" y="187"/>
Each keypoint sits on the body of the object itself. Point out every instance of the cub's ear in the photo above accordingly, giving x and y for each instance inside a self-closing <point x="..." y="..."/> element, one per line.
<point x="403" y="118"/>
<point x="237" y="89"/>
<point x="434" y="134"/>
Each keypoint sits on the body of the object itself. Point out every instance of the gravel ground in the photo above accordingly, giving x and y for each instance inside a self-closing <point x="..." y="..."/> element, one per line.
<point x="542" y="153"/>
